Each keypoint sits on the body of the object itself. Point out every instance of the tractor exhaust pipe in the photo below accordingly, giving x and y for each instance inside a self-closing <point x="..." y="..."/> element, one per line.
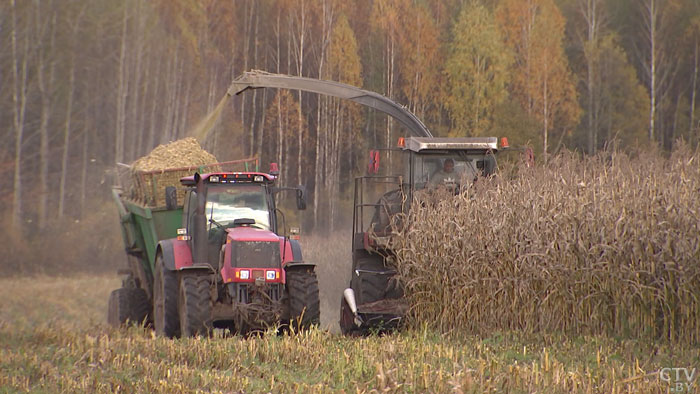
<point x="200" y="223"/>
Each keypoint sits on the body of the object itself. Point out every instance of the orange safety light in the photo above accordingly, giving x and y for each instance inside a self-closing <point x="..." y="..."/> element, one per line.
<point x="274" y="169"/>
<point x="504" y="142"/>
<point x="402" y="142"/>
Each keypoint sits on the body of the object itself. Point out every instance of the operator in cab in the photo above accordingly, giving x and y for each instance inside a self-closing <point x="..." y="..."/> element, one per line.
<point x="450" y="176"/>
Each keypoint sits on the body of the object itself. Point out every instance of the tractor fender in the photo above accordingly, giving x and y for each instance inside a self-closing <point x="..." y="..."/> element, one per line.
<point x="296" y="250"/>
<point x="290" y="250"/>
<point x="292" y="265"/>
<point x="176" y="254"/>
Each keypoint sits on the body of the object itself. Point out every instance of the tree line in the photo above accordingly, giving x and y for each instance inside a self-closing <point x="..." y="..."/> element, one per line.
<point x="87" y="84"/>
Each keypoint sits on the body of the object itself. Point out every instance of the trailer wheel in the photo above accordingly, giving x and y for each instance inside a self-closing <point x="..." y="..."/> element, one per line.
<point x="141" y="307"/>
<point x="170" y="198"/>
<point x="118" y="307"/>
<point x="165" y="317"/>
<point x="302" y="294"/>
<point x="126" y="305"/>
<point x="194" y="305"/>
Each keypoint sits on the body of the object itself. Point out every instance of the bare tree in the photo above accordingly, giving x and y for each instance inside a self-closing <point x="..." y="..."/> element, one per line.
<point x="593" y="15"/>
<point x="327" y="18"/>
<point x="658" y="67"/>
<point x="45" y="79"/>
<point x="69" y="116"/>
<point x="122" y="91"/>
<point x="19" y="105"/>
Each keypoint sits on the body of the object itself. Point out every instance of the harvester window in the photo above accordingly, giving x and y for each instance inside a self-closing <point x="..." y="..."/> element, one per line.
<point x="436" y="170"/>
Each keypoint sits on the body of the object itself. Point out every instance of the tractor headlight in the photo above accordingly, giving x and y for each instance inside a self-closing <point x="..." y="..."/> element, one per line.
<point x="258" y="178"/>
<point x="245" y="274"/>
<point x="270" y="275"/>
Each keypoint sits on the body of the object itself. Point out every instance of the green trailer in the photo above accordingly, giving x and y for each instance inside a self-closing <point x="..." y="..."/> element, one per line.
<point x="150" y="209"/>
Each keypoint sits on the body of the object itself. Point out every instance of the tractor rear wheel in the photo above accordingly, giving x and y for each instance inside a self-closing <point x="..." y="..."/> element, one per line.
<point x="127" y="305"/>
<point x="302" y="295"/>
<point x="165" y="317"/>
<point x="194" y="305"/>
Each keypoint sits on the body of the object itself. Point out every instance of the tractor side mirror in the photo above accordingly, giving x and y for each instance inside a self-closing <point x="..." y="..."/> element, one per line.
<point x="301" y="198"/>
<point x="489" y="164"/>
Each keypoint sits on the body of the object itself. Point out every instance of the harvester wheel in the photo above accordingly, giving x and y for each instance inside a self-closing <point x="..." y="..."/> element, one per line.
<point x="165" y="317"/>
<point x="302" y="293"/>
<point x="369" y="287"/>
<point x="194" y="305"/>
<point x="126" y="306"/>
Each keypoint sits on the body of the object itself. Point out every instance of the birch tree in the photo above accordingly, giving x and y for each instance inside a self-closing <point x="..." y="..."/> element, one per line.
<point x="20" y="59"/>
<point x="543" y="82"/>
<point x="477" y="72"/>
<point x="45" y="32"/>
<point x="344" y="66"/>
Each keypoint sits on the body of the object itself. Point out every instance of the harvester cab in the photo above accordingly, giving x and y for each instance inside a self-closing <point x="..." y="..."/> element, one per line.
<point x="418" y="168"/>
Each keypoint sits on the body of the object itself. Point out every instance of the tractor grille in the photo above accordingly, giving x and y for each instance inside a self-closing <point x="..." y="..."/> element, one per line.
<point x="253" y="254"/>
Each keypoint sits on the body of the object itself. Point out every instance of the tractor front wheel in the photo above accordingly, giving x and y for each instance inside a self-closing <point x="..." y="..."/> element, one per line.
<point x="302" y="294"/>
<point x="165" y="317"/>
<point x="194" y="305"/>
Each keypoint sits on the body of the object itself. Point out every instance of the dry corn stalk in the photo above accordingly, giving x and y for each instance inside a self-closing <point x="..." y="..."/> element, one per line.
<point x="608" y="244"/>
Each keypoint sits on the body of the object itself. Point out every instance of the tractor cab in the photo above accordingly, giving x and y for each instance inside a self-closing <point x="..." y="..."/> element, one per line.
<point x="230" y="197"/>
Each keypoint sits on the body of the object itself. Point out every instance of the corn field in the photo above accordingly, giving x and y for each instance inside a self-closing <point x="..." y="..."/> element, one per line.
<point x="601" y="245"/>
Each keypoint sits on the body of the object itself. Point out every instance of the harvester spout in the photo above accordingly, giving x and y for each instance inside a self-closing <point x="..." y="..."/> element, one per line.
<point x="259" y="79"/>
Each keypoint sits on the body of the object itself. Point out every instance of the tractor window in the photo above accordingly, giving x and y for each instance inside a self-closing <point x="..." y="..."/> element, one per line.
<point x="227" y="203"/>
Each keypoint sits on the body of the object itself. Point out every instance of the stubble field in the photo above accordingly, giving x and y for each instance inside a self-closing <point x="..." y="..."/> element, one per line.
<point x="54" y="338"/>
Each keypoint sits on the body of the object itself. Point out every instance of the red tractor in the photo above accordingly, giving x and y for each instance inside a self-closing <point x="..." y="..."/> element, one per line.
<point x="227" y="267"/>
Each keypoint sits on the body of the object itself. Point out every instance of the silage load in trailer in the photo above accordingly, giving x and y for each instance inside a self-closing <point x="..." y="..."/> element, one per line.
<point x="146" y="179"/>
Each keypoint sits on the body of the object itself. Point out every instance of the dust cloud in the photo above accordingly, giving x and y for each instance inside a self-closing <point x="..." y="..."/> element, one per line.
<point x="332" y="255"/>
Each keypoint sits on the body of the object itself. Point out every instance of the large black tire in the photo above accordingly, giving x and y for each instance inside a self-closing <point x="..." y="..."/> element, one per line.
<point x="302" y="295"/>
<point x="369" y="287"/>
<point x="141" y="307"/>
<point x="118" y="309"/>
<point x="170" y="198"/>
<point x="127" y="305"/>
<point x="194" y="305"/>
<point x="165" y="285"/>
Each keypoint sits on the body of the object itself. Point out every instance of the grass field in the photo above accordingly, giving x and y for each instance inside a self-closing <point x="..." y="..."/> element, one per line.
<point x="53" y="338"/>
